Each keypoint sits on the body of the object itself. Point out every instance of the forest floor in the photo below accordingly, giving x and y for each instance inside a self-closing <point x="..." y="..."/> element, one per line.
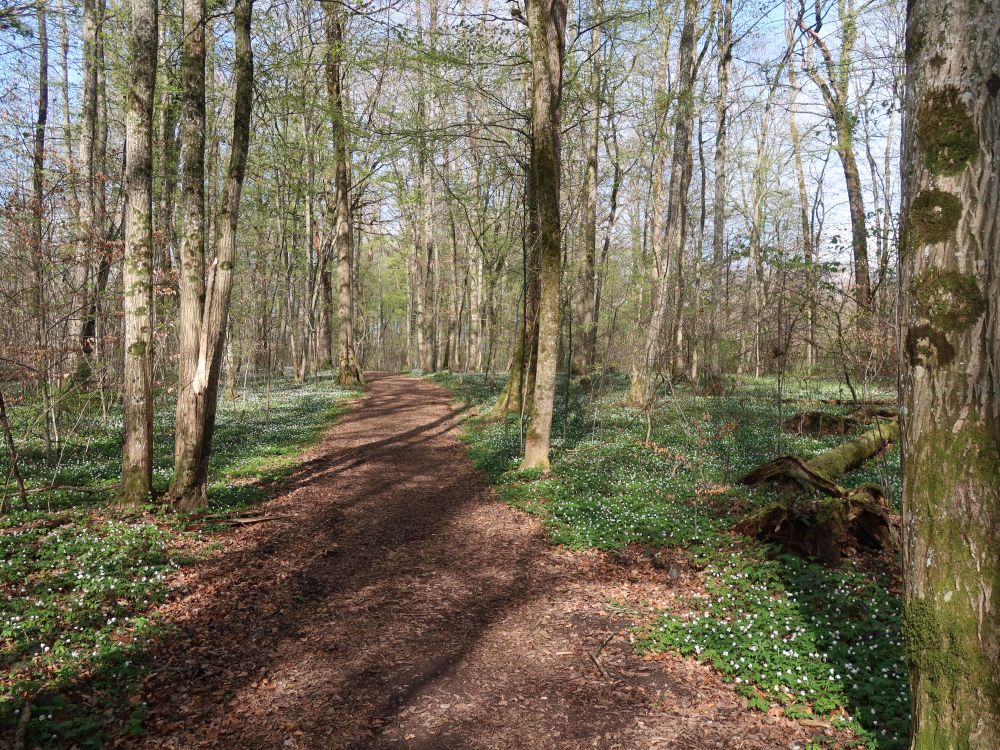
<point x="394" y="601"/>
<point x="387" y="596"/>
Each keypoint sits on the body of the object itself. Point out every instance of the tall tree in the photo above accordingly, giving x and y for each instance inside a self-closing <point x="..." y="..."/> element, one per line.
<point x="192" y="250"/>
<point x="950" y="311"/>
<point x="834" y="84"/>
<point x="137" y="450"/>
<point x="586" y="330"/>
<point x="547" y="35"/>
<point x="190" y="488"/>
<point x="725" y="56"/>
<point x="347" y="358"/>
<point x="641" y="388"/>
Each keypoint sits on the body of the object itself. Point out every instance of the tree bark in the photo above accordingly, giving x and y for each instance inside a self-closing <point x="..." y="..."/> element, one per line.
<point x="950" y="311"/>
<point x="585" y="329"/>
<point x="805" y="225"/>
<point x="719" y="195"/>
<point x="547" y="33"/>
<point x="641" y="388"/>
<point x="137" y="438"/>
<point x="185" y="487"/>
<point x="347" y="359"/>
<point x="190" y="489"/>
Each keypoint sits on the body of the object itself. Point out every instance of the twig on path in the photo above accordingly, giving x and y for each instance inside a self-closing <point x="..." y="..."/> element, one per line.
<point x="594" y="656"/>
<point x="22" y="727"/>
<point x="238" y="520"/>
<point x="256" y="519"/>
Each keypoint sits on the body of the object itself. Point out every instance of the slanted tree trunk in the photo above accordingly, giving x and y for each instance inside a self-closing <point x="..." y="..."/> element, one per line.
<point x="640" y="376"/>
<point x="190" y="489"/>
<point x="8" y="436"/>
<point x="950" y="310"/>
<point x="805" y="225"/>
<point x="347" y="358"/>
<point x="547" y="33"/>
<point x="835" y="90"/>
<point x="137" y="438"/>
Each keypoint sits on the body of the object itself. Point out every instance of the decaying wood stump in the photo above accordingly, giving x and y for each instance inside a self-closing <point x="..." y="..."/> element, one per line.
<point x="826" y="528"/>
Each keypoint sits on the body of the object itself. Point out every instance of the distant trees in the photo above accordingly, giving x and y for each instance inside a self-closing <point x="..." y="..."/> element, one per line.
<point x="401" y="195"/>
<point x="951" y="360"/>
<point x="643" y="366"/>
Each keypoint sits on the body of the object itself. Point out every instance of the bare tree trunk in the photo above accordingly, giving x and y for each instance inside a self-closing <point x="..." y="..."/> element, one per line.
<point x="640" y="375"/>
<point x="950" y="308"/>
<point x="720" y="191"/>
<point x="518" y="392"/>
<point x="190" y="417"/>
<point x="190" y="487"/>
<point x="347" y="359"/>
<point x="586" y="328"/>
<point x="137" y="438"/>
<point x="805" y="226"/>
<point x="93" y="146"/>
<point x="547" y="32"/>
<point x="641" y="388"/>
<point x="835" y="90"/>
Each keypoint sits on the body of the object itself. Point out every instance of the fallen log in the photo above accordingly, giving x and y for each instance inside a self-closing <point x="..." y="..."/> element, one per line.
<point x="846" y="456"/>
<point x="826" y="528"/>
<point x="821" y="423"/>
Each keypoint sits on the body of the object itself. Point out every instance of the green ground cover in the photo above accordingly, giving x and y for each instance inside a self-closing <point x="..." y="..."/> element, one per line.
<point x="788" y="632"/>
<point x="78" y="577"/>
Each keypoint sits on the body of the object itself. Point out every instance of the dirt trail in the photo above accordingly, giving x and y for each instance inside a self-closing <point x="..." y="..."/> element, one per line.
<point x="401" y="605"/>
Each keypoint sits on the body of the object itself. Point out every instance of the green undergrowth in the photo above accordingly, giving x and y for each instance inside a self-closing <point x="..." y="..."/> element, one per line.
<point x="78" y="577"/>
<point x="787" y="632"/>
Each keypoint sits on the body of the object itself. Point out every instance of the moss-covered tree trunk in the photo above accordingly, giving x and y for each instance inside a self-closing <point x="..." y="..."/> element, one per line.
<point x="585" y="323"/>
<point x="521" y="380"/>
<point x="547" y="30"/>
<point x="137" y="438"/>
<point x="950" y="311"/>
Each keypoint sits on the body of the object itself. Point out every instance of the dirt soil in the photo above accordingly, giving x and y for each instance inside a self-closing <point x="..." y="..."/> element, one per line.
<point x="394" y="602"/>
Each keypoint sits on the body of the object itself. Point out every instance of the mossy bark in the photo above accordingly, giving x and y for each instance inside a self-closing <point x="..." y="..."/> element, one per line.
<point x="950" y="275"/>
<point x="547" y="30"/>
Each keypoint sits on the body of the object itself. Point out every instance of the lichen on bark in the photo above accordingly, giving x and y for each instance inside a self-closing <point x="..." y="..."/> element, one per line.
<point x="945" y="131"/>
<point x="933" y="217"/>
<point x="928" y="347"/>
<point x="949" y="300"/>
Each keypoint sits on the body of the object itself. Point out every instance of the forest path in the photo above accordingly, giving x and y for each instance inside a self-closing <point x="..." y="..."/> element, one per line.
<point x="396" y="603"/>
